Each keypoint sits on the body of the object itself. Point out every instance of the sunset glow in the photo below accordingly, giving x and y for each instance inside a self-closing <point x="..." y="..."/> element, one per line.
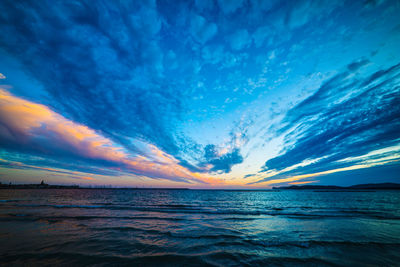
<point x="220" y="94"/>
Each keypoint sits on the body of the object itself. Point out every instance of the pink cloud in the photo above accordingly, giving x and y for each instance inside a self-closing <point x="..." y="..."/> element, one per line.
<point x="29" y="126"/>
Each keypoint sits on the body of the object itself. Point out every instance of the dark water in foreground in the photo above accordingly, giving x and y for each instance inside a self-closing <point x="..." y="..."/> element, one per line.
<point x="194" y="227"/>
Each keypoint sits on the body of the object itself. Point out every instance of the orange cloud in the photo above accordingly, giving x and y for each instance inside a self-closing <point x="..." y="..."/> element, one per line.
<point x="85" y="178"/>
<point x="304" y="176"/>
<point x="24" y="122"/>
<point x="304" y="182"/>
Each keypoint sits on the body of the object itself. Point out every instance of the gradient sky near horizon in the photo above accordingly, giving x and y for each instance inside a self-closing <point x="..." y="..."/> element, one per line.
<point x="200" y="94"/>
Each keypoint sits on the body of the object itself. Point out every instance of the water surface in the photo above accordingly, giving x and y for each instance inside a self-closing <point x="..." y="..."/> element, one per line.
<point x="199" y="227"/>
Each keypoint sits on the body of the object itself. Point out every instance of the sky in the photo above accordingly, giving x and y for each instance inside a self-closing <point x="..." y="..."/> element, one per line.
<point x="200" y="94"/>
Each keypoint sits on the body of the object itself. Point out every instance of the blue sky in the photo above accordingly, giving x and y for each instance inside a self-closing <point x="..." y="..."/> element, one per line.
<point x="200" y="94"/>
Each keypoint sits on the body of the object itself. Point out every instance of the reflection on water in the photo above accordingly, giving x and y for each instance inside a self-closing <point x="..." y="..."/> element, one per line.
<point x="195" y="227"/>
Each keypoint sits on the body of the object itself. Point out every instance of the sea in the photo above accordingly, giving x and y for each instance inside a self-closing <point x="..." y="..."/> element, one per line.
<point x="133" y="227"/>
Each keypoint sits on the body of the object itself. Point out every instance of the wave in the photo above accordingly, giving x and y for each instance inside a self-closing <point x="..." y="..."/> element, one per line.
<point x="213" y="258"/>
<point x="319" y="243"/>
<point x="239" y="219"/>
<point x="168" y="234"/>
<point x="81" y="259"/>
<point x="188" y="209"/>
<point x="22" y="217"/>
<point x="176" y="206"/>
<point x="9" y="200"/>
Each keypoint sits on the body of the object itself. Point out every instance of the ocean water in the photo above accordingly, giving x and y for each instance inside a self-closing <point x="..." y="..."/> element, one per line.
<point x="199" y="228"/>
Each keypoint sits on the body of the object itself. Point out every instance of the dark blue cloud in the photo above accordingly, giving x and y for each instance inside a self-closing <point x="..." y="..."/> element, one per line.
<point x="228" y="7"/>
<point x="202" y="30"/>
<point x="348" y="116"/>
<point x="221" y="163"/>
<point x="240" y="39"/>
<point x="249" y="175"/>
<point x="378" y="174"/>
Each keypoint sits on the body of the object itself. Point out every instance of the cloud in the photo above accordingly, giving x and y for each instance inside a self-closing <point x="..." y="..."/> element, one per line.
<point x="356" y="65"/>
<point x="82" y="178"/>
<point x="261" y="35"/>
<point x="60" y="162"/>
<point x="29" y="127"/>
<point x="240" y="39"/>
<point x="347" y="122"/>
<point x="201" y="29"/>
<point x="304" y="11"/>
<point x="293" y="178"/>
<point x="221" y="162"/>
<point x="213" y="54"/>
<point x="221" y="158"/>
<point x="2" y="76"/>
<point x="303" y="182"/>
<point x="204" y="4"/>
<point x="103" y="58"/>
<point x="249" y="175"/>
<point x="146" y="21"/>
<point x="54" y="171"/>
<point x="229" y="6"/>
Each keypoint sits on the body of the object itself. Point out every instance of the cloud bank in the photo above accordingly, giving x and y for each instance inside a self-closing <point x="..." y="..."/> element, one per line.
<point x="242" y="92"/>
<point x="34" y="128"/>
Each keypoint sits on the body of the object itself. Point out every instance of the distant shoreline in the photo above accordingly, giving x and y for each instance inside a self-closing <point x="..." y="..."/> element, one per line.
<point x="46" y="186"/>
<point x="379" y="186"/>
<point x="320" y="188"/>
